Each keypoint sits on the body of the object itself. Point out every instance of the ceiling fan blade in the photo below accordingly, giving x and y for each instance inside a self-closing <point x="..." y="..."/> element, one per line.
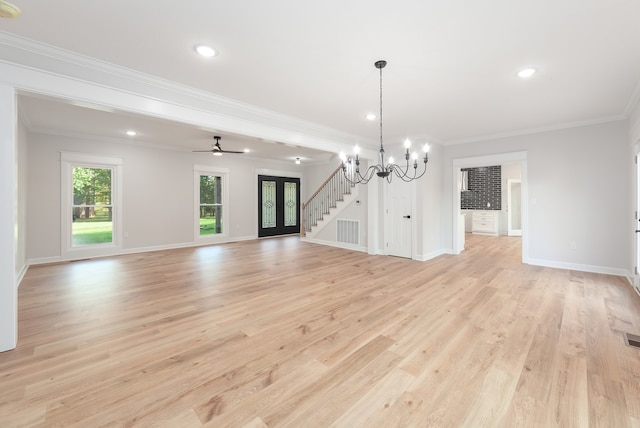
<point x="215" y="149"/>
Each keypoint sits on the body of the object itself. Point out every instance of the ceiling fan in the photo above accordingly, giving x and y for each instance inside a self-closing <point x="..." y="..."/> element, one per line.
<point x="216" y="149"/>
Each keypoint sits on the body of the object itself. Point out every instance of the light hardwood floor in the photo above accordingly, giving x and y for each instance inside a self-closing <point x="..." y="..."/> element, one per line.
<point x="279" y="332"/>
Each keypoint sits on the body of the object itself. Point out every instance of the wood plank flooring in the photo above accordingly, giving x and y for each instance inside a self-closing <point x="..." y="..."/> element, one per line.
<point x="282" y="333"/>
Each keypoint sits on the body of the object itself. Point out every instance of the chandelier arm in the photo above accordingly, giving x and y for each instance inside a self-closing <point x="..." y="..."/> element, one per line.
<point x="359" y="178"/>
<point x="407" y="178"/>
<point x="382" y="170"/>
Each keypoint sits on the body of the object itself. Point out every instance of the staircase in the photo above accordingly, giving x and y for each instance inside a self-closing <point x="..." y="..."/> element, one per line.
<point x="330" y="197"/>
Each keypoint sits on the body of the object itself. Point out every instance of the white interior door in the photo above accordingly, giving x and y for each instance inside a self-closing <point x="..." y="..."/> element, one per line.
<point x="514" y="210"/>
<point x="398" y="222"/>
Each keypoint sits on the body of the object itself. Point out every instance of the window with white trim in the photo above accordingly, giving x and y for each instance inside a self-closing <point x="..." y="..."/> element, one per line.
<point x="211" y="202"/>
<point x="91" y="205"/>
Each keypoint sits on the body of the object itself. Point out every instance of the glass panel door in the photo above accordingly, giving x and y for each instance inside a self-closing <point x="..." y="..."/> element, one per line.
<point x="268" y="204"/>
<point x="279" y="205"/>
<point x="290" y="203"/>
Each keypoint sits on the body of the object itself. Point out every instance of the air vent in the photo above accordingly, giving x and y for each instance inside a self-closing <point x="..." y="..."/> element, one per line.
<point x="348" y="231"/>
<point x="632" y="340"/>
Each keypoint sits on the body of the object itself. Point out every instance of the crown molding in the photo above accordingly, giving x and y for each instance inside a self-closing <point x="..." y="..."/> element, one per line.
<point x="235" y="116"/>
<point x="532" y="131"/>
<point x="634" y="100"/>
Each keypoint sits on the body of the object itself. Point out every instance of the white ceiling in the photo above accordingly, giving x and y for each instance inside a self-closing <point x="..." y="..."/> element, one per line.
<point x="451" y="75"/>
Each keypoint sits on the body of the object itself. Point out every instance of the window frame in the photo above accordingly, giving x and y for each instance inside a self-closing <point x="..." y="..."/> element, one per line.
<point x="69" y="161"/>
<point x="223" y="173"/>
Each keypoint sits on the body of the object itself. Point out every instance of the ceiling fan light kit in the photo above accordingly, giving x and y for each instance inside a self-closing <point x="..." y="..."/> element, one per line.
<point x="382" y="170"/>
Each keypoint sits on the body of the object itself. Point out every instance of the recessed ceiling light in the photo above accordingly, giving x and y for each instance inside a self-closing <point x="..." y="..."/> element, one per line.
<point x="371" y="116"/>
<point x="131" y="133"/>
<point x="527" y="72"/>
<point x="297" y="161"/>
<point x="247" y="150"/>
<point x="206" y="51"/>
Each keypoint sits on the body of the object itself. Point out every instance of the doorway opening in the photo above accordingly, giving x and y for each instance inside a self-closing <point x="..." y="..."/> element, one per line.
<point x="458" y="220"/>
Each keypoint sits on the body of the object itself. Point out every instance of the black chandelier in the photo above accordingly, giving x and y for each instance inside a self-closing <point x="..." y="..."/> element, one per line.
<point x="383" y="170"/>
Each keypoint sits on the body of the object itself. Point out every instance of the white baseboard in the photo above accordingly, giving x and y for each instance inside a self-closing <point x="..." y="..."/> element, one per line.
<point x="432" y="255"/>
<point x="579" y="267"/>
<point x="21" y="274"/>
<point x="335" y="244"/>
<point x="58" y="259"/>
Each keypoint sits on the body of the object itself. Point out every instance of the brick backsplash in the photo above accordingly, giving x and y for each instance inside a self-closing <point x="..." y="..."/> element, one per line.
<point x="484" y="186"/>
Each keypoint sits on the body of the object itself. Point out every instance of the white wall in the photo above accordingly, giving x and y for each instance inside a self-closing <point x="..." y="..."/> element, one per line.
<point x="578" y="187"/>
<point x="634" y="149"/>
<point x="21" y="213"/>
<point x="429" y="190"/>
<point x="8" y="218"/>
<point x="158" y="197"/>
<point x="315" y="175"/>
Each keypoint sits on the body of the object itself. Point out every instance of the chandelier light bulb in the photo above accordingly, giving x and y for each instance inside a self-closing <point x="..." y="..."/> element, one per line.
<point x="414" y="156"/>
<point x="390" y="159"/>
<point x="407" y="143"/>
<point x="343" y="157"/>
<point x="425" y="148"/>
<point x="356" y="150"/>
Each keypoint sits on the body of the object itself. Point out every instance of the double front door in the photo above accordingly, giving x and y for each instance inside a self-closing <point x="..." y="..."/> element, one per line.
<point x="278" y="205"/>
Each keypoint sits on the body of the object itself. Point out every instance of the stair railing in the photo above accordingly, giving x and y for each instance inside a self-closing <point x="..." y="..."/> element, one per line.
<point x="326" y="197"/>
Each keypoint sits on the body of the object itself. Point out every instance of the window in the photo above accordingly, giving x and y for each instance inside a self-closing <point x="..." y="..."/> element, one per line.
<point x="90" y="208"/>
<point x="211" y="202"/>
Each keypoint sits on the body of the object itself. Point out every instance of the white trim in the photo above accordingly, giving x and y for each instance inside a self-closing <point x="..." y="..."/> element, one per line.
<point x="487" y="160"/>
<point x="90" y="159"/>
<point x="67" y="161"/>
<point x="278" y="173"/>
<point x="633" y="100"/>
<point x="63" y="74"/>
<point x="532" y="131"/>
<point x="432" y="255"/>
<point x="342" y="245"/>
<point x="199" y="170"/>
<point x="580" y="267"/>
<point x="21" y="274"/>
<point x="150" y="249"/>
<point x="8" y="218"/>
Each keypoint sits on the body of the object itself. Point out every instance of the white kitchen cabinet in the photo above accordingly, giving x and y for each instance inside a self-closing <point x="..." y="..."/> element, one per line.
<point x="485" y="222"/>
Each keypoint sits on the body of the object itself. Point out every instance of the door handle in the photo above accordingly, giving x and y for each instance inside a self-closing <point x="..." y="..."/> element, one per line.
<point x="408" y="216"/>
